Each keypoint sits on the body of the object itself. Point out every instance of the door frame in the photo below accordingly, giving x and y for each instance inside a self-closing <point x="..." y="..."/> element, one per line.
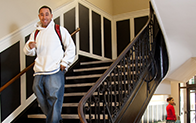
<point x="189" y="87"/>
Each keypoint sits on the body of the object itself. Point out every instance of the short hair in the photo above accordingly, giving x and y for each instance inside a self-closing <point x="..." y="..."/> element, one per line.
<point x="46" y="8"/>
<point x="169" y="98"/>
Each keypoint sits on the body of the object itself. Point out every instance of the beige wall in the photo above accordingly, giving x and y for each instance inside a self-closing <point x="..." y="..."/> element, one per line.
<point x="115" y="7"/>
<point x="175" y="95"/>
<point x="105" y="5"/>
<point x="125" y="6"/>
<point x="17" y="13"/>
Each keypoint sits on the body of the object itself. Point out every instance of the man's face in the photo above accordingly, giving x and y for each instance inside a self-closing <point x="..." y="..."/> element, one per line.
<point x="45" y="17"/>
<point x="171" y="101"/>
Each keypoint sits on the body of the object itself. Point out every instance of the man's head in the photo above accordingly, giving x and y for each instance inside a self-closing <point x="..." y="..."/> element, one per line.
<point x="170" y="100"/>
<point x="45" y="15"/>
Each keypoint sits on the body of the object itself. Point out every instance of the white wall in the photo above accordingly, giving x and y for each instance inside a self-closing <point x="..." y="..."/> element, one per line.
<point x="18" y="13"/>
<point x="164" y="88"/>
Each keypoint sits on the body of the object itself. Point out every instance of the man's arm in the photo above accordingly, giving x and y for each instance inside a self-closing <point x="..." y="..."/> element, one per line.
<point x="69" y="53"/>
<point x="173" y="112"/>
<point x="29" y="48"/>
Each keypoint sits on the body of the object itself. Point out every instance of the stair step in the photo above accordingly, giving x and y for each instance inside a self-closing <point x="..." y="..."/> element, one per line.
<point x="91" y="69"/>
<point x="76" y="104"/>
<point x="74" y="94"/>
<point x="88" y="84"/>
<point x="95" y="75"/>
<point x="95" y="62"/>
<point x="64" y="116"/>
<point x="100" y="62"/>
<point x="95" y="93"/>
<point x="83" y="76"/>
<point x="70" y="104"/>
<point x="78" y="85"/>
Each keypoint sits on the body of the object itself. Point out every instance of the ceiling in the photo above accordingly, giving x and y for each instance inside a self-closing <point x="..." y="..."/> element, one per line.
<point x="177" y="20"/>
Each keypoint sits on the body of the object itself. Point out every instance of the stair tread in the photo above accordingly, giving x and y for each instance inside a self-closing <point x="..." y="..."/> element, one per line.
<point x="79" y="85"/>
<point x="64" y="116"/>
<point x="83" y="76"/>
<point x="70" y="104"/>
<point x="76" y="104"/>
<point x="91" y="69"/>
<point x="95" y="62"/>
<point x="75" y="94"/>
<point x="95" y="93"/>
<point x="96" y="75"/>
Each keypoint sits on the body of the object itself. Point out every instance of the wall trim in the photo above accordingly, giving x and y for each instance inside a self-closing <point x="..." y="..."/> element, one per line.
<point x="83" y="53"/>
<point x="133" y="14"/>
<point x="95" y="8"/>
<point x="22" y="107"/>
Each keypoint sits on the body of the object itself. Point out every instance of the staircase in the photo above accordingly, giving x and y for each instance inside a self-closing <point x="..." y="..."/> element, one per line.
<point x="79" y="79"/>
<point x="126" y="87"/>
<point x="121" y="93"/>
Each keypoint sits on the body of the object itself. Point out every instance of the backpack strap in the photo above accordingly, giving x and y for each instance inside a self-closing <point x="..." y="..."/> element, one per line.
<point x="35" y="35"/>
<point x="58" y="31"/>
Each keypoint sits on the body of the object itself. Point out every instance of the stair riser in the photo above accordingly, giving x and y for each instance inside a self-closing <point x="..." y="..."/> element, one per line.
<point x="77" y="89"/>
<point x="89" y="72"/>
<point x="74" y="99"/>
<point x="78" y="81"/>
<point x="95" y="65"/>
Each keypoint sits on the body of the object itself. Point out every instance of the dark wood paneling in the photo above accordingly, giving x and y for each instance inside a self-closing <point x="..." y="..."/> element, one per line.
<point x="84" y="25"/>
<point x="107" y="38"/>
<point x="139" y="23"/>
<point x="69" y="22"/>
<point x="29" y="73"/>
<point x="10" y="67"/>
<point x="123" y="35"/>
<point x="96" y="28"/>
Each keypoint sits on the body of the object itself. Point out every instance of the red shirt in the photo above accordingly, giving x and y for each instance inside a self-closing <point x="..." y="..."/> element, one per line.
<point x="170" y="112"/>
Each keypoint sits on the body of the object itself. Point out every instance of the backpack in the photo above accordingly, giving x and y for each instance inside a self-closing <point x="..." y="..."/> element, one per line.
<point x="58" y="31"/>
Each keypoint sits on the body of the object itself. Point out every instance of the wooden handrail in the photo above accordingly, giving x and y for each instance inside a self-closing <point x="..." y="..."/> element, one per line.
<point x="26" y="69"/>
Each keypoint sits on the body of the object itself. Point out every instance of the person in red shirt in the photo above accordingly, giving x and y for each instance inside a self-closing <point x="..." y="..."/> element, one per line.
<point x="171" y="116"/>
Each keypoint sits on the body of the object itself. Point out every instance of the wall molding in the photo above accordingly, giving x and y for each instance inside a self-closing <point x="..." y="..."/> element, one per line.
<point x="22" y="107"/>
<point x="133" y="14"/>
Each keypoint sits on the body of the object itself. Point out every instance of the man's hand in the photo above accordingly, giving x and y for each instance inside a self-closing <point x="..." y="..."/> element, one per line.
<point x="32" y="45"/>
<point x="62" y="68"/>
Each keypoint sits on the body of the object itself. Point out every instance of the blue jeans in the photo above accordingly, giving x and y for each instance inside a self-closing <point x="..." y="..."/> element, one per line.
<point x="49" y="90"/>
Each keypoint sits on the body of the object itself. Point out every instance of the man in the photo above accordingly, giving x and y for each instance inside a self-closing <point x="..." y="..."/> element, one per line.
<point x="171" y="116"/>
<point x="50" y="64"/>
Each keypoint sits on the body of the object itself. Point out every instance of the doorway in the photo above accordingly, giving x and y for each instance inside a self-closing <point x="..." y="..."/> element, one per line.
<point x="188" y="101"/>
<point x="191" y="103"/>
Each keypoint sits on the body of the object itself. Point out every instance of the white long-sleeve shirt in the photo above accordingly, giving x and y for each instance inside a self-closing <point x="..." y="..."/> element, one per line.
<point x="50" y="54"/>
